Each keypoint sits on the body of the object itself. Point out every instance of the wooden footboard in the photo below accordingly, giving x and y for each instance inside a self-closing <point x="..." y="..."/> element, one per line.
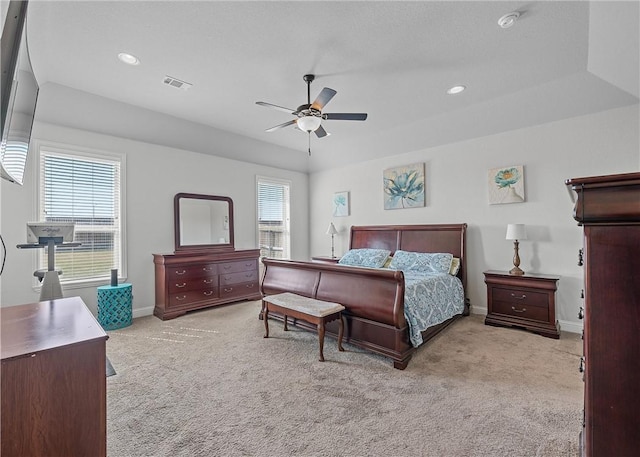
<point x="374" y="301"/>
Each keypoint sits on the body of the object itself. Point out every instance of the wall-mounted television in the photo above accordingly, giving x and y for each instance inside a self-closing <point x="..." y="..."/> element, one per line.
<point x="19" y="93"/>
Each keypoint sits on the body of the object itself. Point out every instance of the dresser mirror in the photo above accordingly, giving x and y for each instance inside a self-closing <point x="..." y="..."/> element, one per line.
<point x="203" y="222"/>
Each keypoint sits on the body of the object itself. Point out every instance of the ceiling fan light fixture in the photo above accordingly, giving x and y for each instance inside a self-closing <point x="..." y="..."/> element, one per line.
<point x="309" y="123"/>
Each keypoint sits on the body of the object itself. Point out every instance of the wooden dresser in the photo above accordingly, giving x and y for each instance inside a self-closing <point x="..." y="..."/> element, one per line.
<point x="527" y="302"/>
<point x="186" y="281"/>
<point x="54" y="399"/>
<point x="609" y="209"/>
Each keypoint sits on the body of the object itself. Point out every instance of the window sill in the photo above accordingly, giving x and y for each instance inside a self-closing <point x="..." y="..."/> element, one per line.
<point x="85" y="284"/>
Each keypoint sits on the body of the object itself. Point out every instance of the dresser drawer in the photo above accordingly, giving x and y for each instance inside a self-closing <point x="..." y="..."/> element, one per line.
<point x="520" y="310"/>
<point x="520" y="297"/>
<point x="235" y="267"/>
<point x="189" y="284"/>
<point x="239" y="290"/>
<point x="237" y="278"/>
<point x="183" y="272"/>
<point x="185" y="298"/>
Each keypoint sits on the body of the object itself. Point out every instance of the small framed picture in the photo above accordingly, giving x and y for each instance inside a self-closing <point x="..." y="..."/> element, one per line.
<point x="341" y="204"/>
<point x="404" y="186"/>
<point x="506" y="185"/>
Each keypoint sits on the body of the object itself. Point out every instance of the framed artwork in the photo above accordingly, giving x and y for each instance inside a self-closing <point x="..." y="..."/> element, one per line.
<point x="506" y="185"/>
<point x="341" y="204"/>
<point x="404" y="186"/>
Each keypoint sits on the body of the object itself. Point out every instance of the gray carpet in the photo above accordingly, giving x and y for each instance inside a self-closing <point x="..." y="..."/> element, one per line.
<point x="209" y="384"/>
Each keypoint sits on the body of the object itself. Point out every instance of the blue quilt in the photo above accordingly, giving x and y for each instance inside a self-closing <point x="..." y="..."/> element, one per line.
<point x="430" y="299"/>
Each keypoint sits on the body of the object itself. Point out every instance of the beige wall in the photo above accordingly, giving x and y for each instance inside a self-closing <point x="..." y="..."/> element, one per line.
<point x="154" y="175"/>
<point x="456" y="191"/>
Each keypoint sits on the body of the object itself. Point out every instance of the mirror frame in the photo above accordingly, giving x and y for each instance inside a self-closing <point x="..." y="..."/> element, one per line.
<point x="199" y="247"/>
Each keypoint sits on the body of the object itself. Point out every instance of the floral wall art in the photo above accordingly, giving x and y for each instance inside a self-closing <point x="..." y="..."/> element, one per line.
<point x="404" y="186"/>
<point x="341" y="204"/>
<point x="506" y="185"/>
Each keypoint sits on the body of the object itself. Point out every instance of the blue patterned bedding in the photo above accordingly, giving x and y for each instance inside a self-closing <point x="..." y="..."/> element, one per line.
<point x="430" y="299"/>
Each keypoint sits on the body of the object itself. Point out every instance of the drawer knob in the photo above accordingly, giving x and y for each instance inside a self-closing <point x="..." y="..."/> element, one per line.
<point x="229" y="289"/>
<point x="208" y="292"/>
<point x="226" y="267"/>
<point x="523" y="310"/>
<point x="207" y="281"/>
<point x="207" y="269"/>
<point x="582" y="365"/>
<point x="249" y="286"/>
<point x="181" y="297"/>
<point x="520" y="297"/>
<point x="581" y="313"/>
<point x="181" y="272"/>
<point x="181" y="285"/>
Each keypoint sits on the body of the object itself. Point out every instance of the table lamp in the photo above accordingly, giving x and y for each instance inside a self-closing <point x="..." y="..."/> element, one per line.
<point x="516" y="232"/>
<point x="332" y="231"/>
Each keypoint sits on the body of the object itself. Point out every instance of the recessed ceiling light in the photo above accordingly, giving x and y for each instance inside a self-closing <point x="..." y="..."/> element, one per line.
<point x="128" y="58"/>
<point x="456" y="90"/>
<point x="508" y="19"/>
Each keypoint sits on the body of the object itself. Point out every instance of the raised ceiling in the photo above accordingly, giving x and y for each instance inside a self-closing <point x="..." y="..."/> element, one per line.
<point x="393" y="60"/>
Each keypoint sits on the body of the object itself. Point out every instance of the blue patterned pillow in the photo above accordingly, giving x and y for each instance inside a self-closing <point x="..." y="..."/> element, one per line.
<point x="421" y="262"/>
<point x="372" y="258"/>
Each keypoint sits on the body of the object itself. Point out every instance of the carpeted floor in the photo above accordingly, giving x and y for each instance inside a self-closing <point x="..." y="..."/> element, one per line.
<point x="209" y="384"/>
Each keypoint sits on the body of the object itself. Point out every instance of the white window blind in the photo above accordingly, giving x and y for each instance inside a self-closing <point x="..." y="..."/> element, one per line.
<point x="85" y="190"/>
<point x="273" y="218"/>
<point x="13" y="154"/>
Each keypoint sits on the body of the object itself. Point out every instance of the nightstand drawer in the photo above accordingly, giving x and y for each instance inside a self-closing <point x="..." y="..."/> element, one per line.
<point x="519" y="297"/>
<point x="520" y="310"/>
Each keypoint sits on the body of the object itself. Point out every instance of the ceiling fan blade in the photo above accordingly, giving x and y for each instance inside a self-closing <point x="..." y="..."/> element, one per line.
<point x="345" y="116"/>
<point x="286" y="124"/>
<point x="280" y="108"/>
<point x="323" y="98"/>
<point x="321" y="132"/>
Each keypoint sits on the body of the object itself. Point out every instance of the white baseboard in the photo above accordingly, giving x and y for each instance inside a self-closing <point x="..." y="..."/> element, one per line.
<point x="141" y="312"/>
<point x="571" y="327"/>
<point x="478" y="310"/>
<point x="565" y="326"/>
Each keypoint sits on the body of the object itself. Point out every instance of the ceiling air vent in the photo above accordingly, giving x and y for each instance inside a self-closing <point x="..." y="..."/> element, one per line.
<point x="174" y="82"/>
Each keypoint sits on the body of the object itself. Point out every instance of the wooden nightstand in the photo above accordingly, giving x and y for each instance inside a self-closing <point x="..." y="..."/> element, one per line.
<point x="527" y="302"/>
<point x="325" y="259"/>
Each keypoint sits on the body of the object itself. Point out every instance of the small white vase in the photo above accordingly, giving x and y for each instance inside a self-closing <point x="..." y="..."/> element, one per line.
<point x="512" y="196"/>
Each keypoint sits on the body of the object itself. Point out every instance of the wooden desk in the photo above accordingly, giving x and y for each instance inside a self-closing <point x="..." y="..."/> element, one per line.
<point x="54" y="399"/>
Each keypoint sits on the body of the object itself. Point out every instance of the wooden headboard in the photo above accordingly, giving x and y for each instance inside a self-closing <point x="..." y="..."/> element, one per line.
<point x="418" y="238"/>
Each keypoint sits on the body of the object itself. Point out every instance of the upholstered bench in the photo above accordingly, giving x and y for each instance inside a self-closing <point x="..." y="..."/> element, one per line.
<point x="307" y="309"/>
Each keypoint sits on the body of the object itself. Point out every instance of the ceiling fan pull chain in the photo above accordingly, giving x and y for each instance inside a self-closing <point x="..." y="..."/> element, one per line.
<point x="309" y="144"/>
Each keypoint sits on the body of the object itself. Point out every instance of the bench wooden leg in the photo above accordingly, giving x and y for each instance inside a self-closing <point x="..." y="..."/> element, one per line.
<point x="321" y="338"/>
<point x="265" y="316"/>
<point x="340" y="333"/>
<point x="285" y="323"/>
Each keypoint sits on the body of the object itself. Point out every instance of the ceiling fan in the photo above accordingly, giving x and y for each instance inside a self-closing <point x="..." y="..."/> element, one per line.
<point x="309" y="116"/>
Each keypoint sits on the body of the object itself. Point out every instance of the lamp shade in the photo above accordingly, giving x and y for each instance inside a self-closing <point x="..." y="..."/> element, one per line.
<point x="516" y="232"/>
<point x="309" y="123"/>
<point x="332" y="229"/>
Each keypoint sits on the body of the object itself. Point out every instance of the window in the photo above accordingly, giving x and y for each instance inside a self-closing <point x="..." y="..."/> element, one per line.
<point x="273" y="218"/>
<point x="86" y="189"/>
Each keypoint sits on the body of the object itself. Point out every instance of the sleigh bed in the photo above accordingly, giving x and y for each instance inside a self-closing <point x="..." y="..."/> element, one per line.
<point x="374" y="298"/>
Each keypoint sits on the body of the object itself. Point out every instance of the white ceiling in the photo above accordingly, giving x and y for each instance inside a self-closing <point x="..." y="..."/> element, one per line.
<point x="392" y="60"/>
